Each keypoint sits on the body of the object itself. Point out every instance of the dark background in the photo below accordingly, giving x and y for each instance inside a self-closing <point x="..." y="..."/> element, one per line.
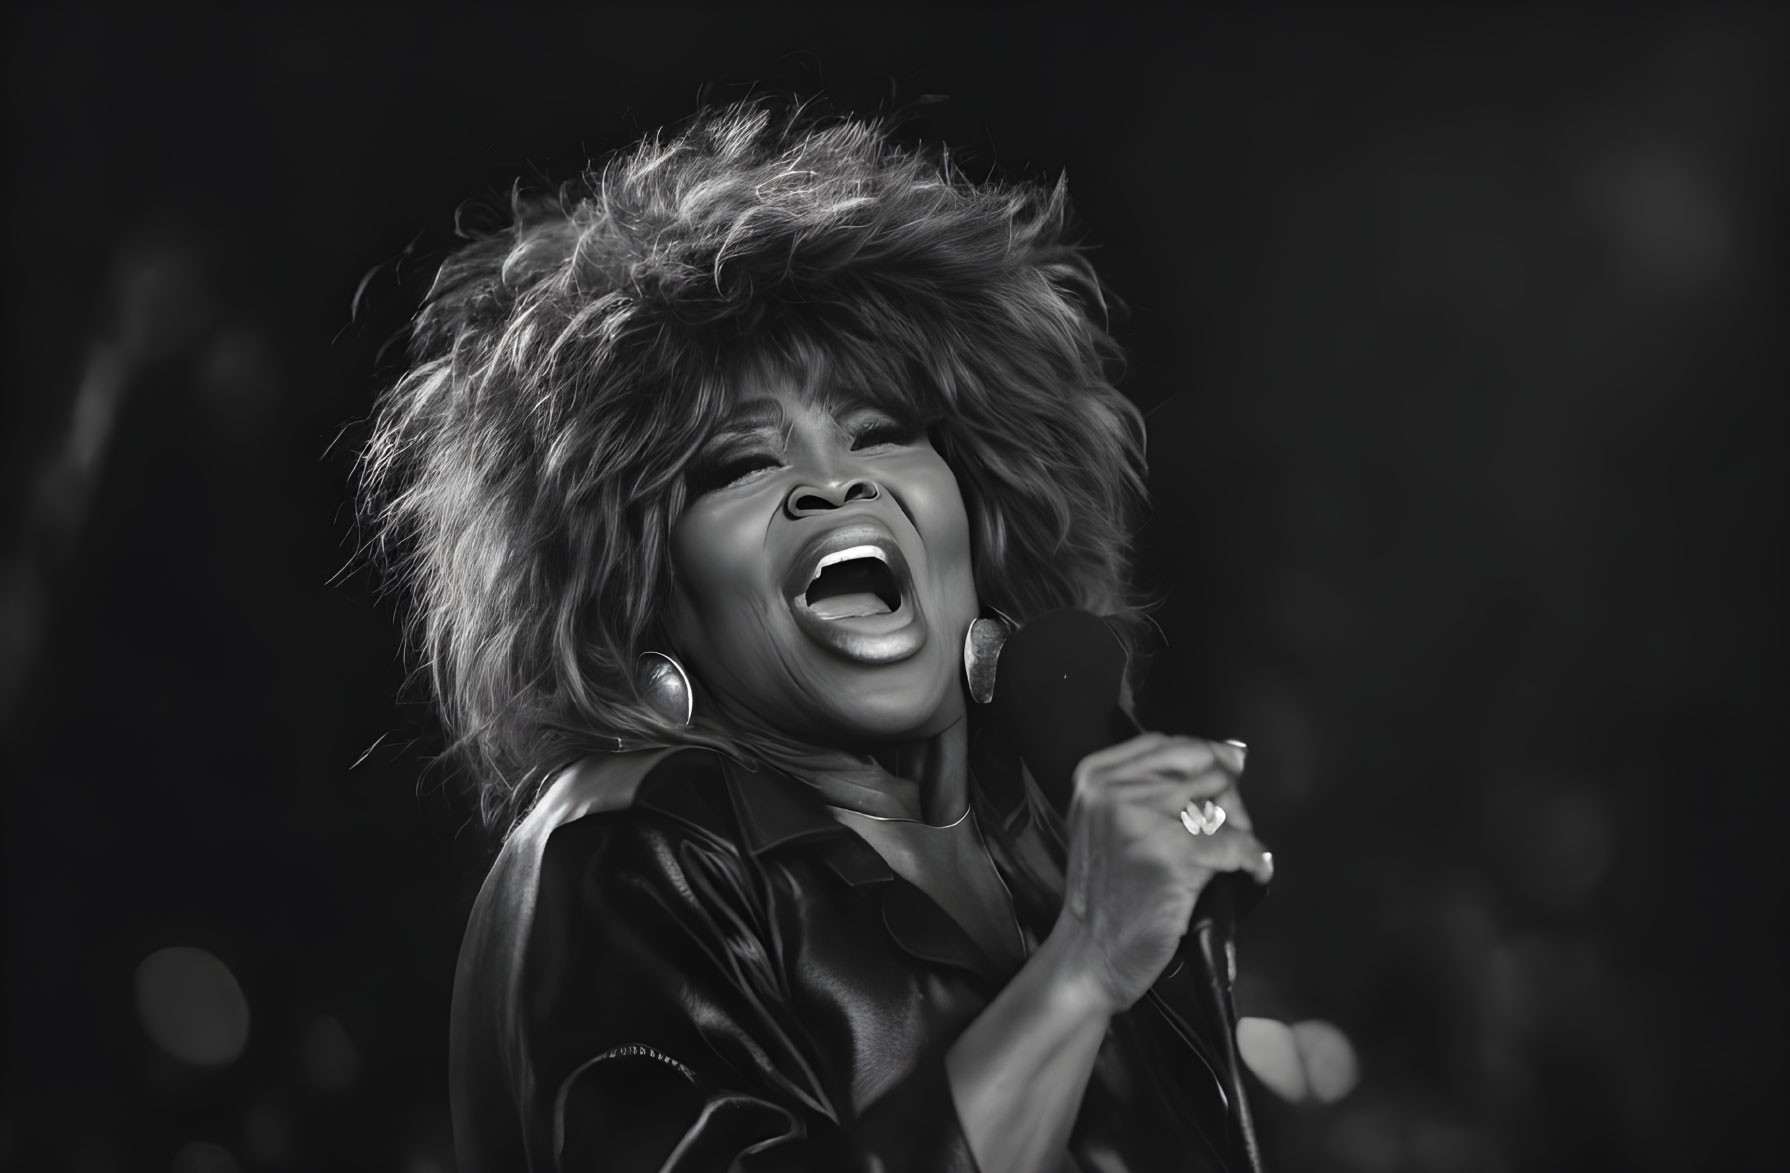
<point x="1461" y="338"/>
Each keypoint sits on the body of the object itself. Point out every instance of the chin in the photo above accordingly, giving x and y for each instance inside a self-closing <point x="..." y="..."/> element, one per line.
<point x="877" y="707"/>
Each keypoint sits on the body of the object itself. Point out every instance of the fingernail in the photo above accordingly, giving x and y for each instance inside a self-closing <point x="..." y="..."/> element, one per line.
<point x="1267" y="866"/>
<point x="1240" y="745"/>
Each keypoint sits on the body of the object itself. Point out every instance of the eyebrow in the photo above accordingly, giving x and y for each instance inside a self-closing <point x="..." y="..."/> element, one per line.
<point x="758" y="415"/>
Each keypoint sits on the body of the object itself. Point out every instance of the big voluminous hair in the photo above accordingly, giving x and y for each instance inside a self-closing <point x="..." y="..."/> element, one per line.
<point x="524" y="473"/>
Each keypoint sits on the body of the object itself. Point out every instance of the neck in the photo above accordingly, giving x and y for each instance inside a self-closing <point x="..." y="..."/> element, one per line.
<point x="938" y="769"/>
<point x="926" y="780"/>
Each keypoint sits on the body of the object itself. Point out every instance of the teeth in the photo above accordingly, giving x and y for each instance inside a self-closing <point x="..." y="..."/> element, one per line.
<point x="847" y="556"/>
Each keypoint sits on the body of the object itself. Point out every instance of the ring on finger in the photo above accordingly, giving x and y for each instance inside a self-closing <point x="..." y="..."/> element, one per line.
<point x="1204" y="819"/>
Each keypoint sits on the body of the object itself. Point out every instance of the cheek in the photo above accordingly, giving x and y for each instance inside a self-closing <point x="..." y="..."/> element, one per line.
<point x="718" y="613"/>
<point x="716" y="555"/>
<point x="943" y="522"/>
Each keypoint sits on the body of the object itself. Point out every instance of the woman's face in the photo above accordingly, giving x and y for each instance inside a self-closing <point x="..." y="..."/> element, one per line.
<point x="822" y="569"/>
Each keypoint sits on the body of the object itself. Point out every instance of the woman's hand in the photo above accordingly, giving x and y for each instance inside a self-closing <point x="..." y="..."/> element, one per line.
<point x="1135" y="871"/>
<point x="1018" y="1073"/>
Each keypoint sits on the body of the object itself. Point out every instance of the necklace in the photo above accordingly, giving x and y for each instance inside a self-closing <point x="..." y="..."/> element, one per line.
<point x="920" y="855"/>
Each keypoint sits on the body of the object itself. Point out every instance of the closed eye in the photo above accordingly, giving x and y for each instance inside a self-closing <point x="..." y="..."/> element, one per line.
<point x="731" y="469"/>
<point x="887" y="434"/>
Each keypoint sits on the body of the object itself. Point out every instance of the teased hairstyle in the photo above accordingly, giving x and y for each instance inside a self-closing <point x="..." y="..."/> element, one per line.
<point x="523" y="476"/>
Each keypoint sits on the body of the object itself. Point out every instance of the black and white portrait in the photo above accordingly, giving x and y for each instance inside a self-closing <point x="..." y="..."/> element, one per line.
<point x="1008" y="590"/>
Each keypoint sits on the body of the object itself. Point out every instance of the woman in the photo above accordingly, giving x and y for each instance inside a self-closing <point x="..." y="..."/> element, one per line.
<point x="702" y="473"/>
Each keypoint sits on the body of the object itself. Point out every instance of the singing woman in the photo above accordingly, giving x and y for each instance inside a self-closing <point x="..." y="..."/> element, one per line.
<point x="701" y="472"/>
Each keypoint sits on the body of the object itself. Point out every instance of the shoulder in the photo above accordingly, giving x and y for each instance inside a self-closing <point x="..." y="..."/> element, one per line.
<point x="681" y="782"/>
<point x="601" y="803"/>
<point x="600" y="814"/>
<point x="573" y="909"/>
<point x="606" y="801"/>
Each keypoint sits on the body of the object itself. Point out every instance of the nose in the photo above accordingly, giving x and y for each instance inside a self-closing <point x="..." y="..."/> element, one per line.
<point x="806" y="500"/>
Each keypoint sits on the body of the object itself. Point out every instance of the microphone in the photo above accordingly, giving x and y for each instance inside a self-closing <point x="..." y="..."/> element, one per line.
<point x="1059" y="682"/>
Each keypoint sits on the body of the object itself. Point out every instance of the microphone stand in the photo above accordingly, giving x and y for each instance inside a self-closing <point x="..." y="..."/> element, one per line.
<point x="1213" y="937"/>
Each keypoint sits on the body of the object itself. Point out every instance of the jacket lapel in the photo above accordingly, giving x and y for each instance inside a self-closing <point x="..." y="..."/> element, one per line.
<point x="777" y="813"/>
<point x="924" y="930"/>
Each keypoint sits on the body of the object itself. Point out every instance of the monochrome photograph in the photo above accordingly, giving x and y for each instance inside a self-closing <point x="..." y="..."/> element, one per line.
<point x="1003" y="590"/>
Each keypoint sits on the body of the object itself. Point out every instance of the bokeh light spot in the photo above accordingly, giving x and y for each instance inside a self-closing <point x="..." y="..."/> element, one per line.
<point x="1269" y="1049"/>
<point x="1328" y="1058"/>
<point x="1663" y="209"/>
<point x="1553" y="837"/>
<point x="192" y="1007"/>
<point x="1310" y="1060"/>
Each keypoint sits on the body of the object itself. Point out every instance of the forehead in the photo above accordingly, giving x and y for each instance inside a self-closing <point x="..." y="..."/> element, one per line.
<point x="767" y="390"/>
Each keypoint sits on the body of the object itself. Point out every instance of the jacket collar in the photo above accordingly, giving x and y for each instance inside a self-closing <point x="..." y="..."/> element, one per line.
<point x="775" y="810"/>
<point x="777" y="813"/>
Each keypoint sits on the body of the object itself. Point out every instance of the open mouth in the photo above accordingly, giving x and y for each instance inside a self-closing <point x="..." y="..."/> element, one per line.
<point x="853" y="583"/>
<point x="850" y="590"/>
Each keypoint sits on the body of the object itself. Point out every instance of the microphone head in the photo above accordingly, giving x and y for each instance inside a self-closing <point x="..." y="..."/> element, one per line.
<point x="1056" y="698"/>
<point x="1068" y="657"/>
<point x="1056" y="695"/>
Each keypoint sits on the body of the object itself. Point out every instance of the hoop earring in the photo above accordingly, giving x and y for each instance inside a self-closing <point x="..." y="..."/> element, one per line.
<point x="665" y="687"/>
<point x="981" y="649"/>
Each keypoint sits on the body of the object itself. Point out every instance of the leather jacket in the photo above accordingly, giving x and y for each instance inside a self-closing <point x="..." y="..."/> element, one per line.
<point x="680" y="964"/>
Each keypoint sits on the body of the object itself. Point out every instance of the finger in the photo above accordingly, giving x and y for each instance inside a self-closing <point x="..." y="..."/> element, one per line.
<point x="1233" y="753"/>
<point x="1181" y="757"/>
<point x="1231" y="849"/>
<point x="1235" y="809"/>
<point x="1112" y="756"/>
<point x="1158" y="781"/>
<point x="1168" y="793"/>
